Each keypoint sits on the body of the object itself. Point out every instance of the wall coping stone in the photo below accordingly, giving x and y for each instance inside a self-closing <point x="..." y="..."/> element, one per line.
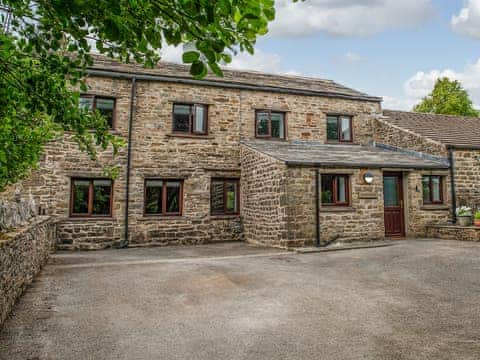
<point x="11" y="235"/>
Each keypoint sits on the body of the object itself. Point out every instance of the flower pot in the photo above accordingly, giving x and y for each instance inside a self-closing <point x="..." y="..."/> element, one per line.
<point x="477" y="222"/>
<point x="464" y="220"/>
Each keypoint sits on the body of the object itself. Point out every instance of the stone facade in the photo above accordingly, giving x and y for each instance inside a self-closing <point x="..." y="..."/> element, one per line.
<point x="467" y="177"/>
<point x="450" y="232"/>
<point x="22" y="254"/>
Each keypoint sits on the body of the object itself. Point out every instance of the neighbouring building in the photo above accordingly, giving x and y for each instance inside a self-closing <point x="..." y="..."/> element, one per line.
<point x="272" y="160"/>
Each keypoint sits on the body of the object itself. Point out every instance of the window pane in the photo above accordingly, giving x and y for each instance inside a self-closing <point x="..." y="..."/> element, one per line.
<point x="199" y="124"/>
<point x="181" y="118"/>
<point x="86" y="102"/>
<point x="426" y="189"/>
<point x="173" y="197"/>
<point x="80" y="196"/>
<point x="332" y="128"/>
<point x="262" y="124"/>
<point x="345" y="127"/>
<point x="216" y="197"/>
<point x="436" y="189"/>
<point x="153" y="197"/>
<point x="390" y="191"/>
<point x="101" y="197"/>
<point x="106" y="107"/>
<point x="341" y="189"/>
<point x="231" y="202"/>
<point x="278" y="125"/>
<point x="327" y="189"/>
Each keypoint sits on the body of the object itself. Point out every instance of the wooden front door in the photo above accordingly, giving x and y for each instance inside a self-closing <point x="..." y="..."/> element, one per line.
<point x="393" y="200"/>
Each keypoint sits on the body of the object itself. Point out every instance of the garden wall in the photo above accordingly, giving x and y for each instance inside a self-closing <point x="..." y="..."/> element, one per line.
<point x="23" y="252"/>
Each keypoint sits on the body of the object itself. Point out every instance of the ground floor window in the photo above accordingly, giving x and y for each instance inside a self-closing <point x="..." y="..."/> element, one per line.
<point x="91" y="197"/>
<point x="163" y="197"/>
<point x="432" y="186"/>
<point x="335" y="190"/>
<point x="224" y="196"/>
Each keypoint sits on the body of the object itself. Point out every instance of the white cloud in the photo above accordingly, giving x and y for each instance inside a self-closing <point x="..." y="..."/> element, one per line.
<point x="347" y="17"/>
<point x="259" y="61"/>
<point x="421" y="84"/>
<point x="467" y="22"/>
<point x="352" y="58"/>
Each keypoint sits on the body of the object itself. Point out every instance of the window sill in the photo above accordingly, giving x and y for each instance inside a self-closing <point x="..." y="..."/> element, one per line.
<point x="224" y="217"/>
<point x="336" y="209"/>
<point x="162" y="217"/>
<point x="335" y="142"/>
<point x="435" y="207"/>
<point x="191" y="136"/>
<point x="90" y="218"/>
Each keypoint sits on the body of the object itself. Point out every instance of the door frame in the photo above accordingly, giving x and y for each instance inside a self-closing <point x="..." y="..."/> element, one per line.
<point x="400" y="192"/>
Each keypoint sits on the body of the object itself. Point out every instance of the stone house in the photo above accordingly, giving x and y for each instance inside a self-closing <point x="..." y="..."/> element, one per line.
<point x="272" y="160"/>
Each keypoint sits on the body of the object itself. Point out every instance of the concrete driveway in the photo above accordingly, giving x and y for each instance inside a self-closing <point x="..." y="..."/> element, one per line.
<point x="413" y="300"/>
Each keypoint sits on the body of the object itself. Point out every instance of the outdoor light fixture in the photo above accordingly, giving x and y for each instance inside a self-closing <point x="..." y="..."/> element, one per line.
<point x="368" y="178"/>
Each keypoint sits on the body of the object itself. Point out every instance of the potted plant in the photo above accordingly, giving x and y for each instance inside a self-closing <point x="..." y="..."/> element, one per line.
<point x="464" y="216"/>
<point x="477" y="218"/>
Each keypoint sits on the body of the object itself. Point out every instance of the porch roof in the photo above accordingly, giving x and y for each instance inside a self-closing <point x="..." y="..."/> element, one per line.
<point x="354" y="156"/>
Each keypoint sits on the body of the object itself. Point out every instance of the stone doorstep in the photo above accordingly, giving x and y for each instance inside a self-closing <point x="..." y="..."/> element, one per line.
<point x="343" y="246"/>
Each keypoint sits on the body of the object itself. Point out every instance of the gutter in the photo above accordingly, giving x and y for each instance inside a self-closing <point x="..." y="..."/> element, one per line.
<point x="364" y="165"/>
<point x="124" y="243"/>
<point x="462" y="147"/>
<point x="224" y="84"/>
<point x="317" y="208"/>
<point x="452" y="183"/>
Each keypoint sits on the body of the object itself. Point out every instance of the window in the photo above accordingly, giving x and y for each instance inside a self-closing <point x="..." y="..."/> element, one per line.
<point x="163" y="197"/>
<point x="339" y="128"/>
<point x="190" y="119"/>
<point x="432" y="189"/>
<point x="224" y="197"/>
<point x="335" y="190"/>
<point x="104" y="105"/>
<point x="91" y="197"/>
<point x="269" y="124"/>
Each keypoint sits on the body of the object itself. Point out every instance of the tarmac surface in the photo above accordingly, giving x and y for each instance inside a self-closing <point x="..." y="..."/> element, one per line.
<point x="416" y="299"/>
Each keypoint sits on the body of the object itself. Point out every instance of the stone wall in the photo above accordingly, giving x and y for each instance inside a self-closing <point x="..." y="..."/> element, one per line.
<point x="467" y="177"/>
<point x="22" y="254"/>
<point x="451" y="232"/>
<point x="264" y="200"/>
<point x="389" y="134"/>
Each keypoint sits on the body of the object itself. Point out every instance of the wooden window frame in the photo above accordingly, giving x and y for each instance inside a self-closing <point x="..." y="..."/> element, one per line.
<point x="237" y="196"/>
<point x="334" y="193"/>
<point x="430" y="186"/>
<point x="94" y="105"/>
<point x="269" y="135"/>
<point x="340" y="138"/>
<point x="191" y="117"/>
<point x="163" y="213"/>
<point x="90" y="198"/>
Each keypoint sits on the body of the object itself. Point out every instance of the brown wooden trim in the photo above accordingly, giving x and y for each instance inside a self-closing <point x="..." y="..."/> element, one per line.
<point x="191" y="118"/>
<point x="90" y="199"/>
<point x="430" y="187"/>
<point x="401" y="207"/>
<point x="269" y="136"/>
<point x="163" y="199"/>
<point x="226" y="181"/>
<point x="339" y="138"/>
<point x="335" y="188"/>
<point x="94" y="105"/>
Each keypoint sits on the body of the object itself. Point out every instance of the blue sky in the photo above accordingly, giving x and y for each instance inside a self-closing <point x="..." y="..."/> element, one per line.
<point x="390" y="48"/>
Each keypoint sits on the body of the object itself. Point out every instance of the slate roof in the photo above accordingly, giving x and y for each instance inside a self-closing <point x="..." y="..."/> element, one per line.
<point x="356" y="156"/>
<point x="449" y="130"/>
<point x="311" y="86"/>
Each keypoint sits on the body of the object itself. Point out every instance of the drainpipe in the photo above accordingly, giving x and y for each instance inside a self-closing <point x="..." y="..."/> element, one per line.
<point x="317" y="208"/>
<point x="131" y="115"/>
<point x="452" y="184"/>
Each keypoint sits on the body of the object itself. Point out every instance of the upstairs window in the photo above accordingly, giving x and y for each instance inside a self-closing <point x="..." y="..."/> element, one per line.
<point x="269" y="124"/>
<point x="104" y="105"/>
<point x="339" y="128"/>
<point x="224" y="197"/>
<point x="335" y="190"/>
<point x="432" y="186"/>
<point x="163" y="197"/>
<point x="91" y="197"/>
<point x="190" y="119"/>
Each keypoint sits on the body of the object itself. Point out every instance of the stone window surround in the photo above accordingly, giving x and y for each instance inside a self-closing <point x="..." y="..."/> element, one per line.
<point x="346" y="206"/>
<point x="226" y="214"/>
<point x="192" y="106"/>
<point x="90" y="200"/>
<point x="430" y="184"/>
<point x="339" y="140"/>
<point x="95" y="96"/>
<point x="163" y="214"/>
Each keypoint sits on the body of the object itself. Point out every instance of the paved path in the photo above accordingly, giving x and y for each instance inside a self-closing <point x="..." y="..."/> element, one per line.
<point x="413" y="300"/>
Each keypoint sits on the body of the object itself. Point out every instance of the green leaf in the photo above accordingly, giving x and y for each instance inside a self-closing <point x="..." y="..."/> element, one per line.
<point x="189" y="57"/>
